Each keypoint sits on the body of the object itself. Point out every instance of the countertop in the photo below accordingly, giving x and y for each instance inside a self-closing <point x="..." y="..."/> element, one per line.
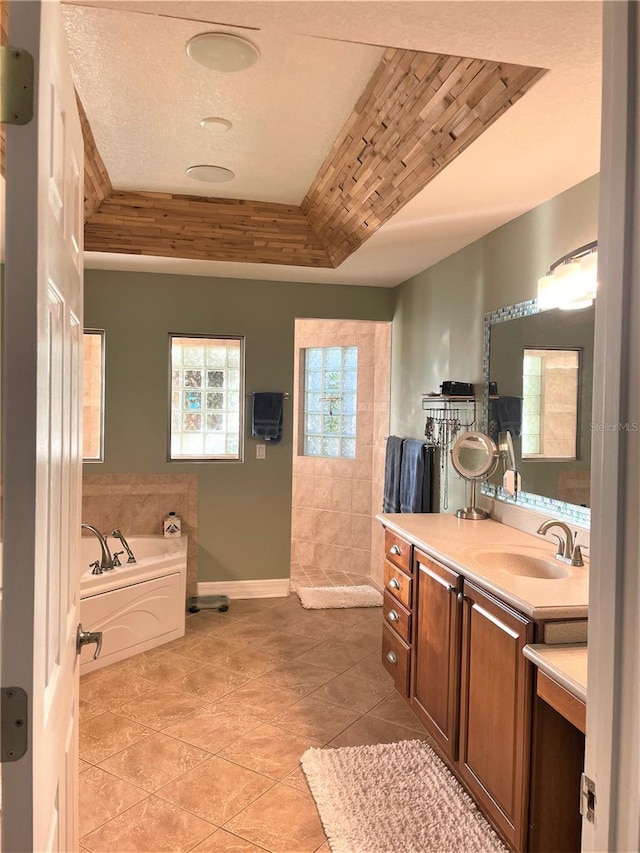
<point x="566" y="665"/>
<point x="459" y="544"/>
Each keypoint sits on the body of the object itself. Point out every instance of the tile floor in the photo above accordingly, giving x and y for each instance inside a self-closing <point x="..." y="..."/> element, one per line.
<point x="196" y="744"/>
<point x="302" y="575"/>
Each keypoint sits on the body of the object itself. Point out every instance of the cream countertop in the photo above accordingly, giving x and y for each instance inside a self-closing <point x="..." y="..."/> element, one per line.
<point x="456" y="543"/>
<point x="566" y="665"/>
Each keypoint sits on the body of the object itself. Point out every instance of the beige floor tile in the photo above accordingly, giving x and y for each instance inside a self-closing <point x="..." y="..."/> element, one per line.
<point x="369" y="730"/>
<point x="371" y="667"/>
<point x="216" y="790"/>
<point x="110" y="689"/>
<point x="294" y="674"/>
<point x="337" y="654"/>
<point x="317" y="720"/>
<point x="103" y="797"/>
<point x="253" y="664"/>
<point x="212" y="729"/>
<point x="83" y="765"/>
<point x="243" y="608"/>
<point x="161" y="708"/>
<point x="247" y="632"/>
<point x="297" y="779"/>
<point x="205" y="649"/>
<point x="225" y="842"/>
<point x="314" y="624"/>
<point x="209" y="682"/>
<point x="107" y="734"/>
<point x="264" y="700"/>
<point x="354" y="617"/>
<point x="162" y="667"/>
<point x="151" y="826"/>
<point x="394" y="709"/>
<point x="282" y="820"/>
<point x="154" y="762"/>
<point x="357" y="694"/>
<point x="203" y="623"/>
<point x="289" y="645"/>
<point x="87" y="711"/>
<point x="269" y="750"/>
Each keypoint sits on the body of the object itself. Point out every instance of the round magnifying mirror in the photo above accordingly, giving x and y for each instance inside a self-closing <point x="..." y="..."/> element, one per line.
<point x="475" y="457"/>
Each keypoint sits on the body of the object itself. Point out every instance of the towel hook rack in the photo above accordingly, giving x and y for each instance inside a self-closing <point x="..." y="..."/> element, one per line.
<point x="285" y="395"/>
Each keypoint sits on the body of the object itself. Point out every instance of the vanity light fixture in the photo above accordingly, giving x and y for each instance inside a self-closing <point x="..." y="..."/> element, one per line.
<point x="571" y="282"/>
<point x="216" y="124"/>
<point x="211" y="174"/>
<point x="222" y="52"/>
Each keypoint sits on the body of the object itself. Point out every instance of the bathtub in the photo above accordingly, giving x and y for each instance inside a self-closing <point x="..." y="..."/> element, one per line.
<point x="137" y="606"/>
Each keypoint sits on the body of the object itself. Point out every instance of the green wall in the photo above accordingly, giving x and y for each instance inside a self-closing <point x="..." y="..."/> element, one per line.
<point x="245" y="508"/>
<point x="439" y="316"/>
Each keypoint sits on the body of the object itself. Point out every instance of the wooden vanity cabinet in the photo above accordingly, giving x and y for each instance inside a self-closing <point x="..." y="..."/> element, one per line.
<point x="436" y="652"/>
<point x="495" y="711"/>
<point x="397" y="633"/>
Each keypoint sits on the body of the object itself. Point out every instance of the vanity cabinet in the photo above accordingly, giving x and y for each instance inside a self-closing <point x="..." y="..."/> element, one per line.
<point x="397" y="610"/>
<point x="495" y="710"/>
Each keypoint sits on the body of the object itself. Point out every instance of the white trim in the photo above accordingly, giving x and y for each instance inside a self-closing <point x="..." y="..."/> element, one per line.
<point x="613" y="738"/>
<point x="269" y="588"/>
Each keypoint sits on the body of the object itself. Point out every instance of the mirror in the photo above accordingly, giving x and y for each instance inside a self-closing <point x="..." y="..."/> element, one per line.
<point x="544" y="360"/>
<point x="475" y="457"/>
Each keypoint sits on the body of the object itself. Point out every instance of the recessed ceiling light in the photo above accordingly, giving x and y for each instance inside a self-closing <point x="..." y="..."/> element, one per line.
<point x="216" y="124"/>
<point x="222" y="51"/>
<point x="211" y="174"/>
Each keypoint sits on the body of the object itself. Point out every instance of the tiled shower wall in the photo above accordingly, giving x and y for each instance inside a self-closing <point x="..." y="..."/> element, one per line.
<point x="138" y="503"/>
<point x="334" y="536"/>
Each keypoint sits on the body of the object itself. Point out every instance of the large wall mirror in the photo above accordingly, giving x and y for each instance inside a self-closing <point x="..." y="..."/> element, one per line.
<point x="540" y="366"/>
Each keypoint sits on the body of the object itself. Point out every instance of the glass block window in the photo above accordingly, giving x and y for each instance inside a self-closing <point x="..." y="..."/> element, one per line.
<point x="206" y="393"/>
<point x="550" y="403"/>
<point x="93" y="395"/>
<point x="330" y="401"/>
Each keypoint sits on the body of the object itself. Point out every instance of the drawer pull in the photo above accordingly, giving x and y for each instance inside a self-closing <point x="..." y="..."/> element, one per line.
<point x="392" y="657"/>
<point x="393" y="584"/>
<point x="392" y="616"/>
<point x="462" y="597"/>
<point x="395" y="550"/>
<point x="451" y="588"/>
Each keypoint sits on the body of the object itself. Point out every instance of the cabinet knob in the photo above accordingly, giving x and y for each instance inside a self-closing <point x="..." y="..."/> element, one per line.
<point x="392" y="616"/>
<point x="392" y="657"/>
<point x="462" y="597"/>
<point x="393" y="584"/>
<point x="395" y="549"/>
<point x="451" y="588"/>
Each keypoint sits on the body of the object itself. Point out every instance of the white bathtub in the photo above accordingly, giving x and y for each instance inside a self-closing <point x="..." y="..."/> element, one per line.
<point x="137" y="606"/>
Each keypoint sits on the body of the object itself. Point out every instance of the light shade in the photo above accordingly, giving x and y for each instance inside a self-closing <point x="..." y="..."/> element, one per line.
<point x="211" y="174"/>
<point x="223" y="52"/>
<point x="571" y="285"/>
<point x="216" y="124"/>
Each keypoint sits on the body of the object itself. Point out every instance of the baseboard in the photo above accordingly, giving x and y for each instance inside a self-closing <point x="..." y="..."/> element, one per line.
<point x="269" y="588"/>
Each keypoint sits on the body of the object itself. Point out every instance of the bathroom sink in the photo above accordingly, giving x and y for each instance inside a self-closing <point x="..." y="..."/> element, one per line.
<point x="519" y="562"/>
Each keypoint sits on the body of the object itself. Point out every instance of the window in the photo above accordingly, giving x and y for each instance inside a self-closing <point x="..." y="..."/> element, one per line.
<point x="206" y="390"/>
<point x="93" y="395"/>
<point x="330" y="401"/>
<point x="550" y="403"/>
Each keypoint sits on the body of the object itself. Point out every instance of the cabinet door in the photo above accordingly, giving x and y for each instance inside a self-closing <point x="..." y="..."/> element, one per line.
<point x="495" y="711"/>
<point x="437" y="652"/>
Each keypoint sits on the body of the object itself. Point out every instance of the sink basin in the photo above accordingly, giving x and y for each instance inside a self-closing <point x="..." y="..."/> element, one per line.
<point x="517" y="562"/>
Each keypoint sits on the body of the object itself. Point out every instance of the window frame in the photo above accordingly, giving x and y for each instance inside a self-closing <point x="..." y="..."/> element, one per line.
<point x="90" y="460"/>
<point x="196" y="460"/>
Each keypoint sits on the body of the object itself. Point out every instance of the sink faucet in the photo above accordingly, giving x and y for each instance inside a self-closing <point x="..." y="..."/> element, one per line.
<point x="568" y="551"/>
<point x="106" y="560"/>
<point x="117" y="534"/>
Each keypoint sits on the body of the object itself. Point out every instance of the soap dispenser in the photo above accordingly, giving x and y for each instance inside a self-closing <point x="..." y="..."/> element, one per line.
<point x="172" y="526"/>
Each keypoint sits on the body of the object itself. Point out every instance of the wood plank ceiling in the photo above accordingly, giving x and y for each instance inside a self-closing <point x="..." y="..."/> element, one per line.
<point x="418" y="112"/>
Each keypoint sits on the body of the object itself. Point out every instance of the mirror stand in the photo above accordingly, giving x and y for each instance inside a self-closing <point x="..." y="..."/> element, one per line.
<point x="473" y="512"/>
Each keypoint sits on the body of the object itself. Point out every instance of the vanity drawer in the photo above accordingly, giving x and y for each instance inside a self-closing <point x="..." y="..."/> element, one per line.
<point x="398" y="550"/>
<point x="395" y="659"/>
<point x="396" y="617"/>
<point x="397" y="584"/>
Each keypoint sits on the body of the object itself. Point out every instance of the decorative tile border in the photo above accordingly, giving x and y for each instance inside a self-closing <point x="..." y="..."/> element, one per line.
<point x="549" y="506"/>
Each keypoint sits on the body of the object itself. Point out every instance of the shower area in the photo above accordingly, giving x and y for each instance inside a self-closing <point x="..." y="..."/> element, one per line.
<point x="341" y="423"/>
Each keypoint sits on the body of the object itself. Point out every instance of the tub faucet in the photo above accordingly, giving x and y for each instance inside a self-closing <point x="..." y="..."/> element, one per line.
<point x="117" y="534"/>
<point x="568" y="551"/>
<point x="106" y="560"/>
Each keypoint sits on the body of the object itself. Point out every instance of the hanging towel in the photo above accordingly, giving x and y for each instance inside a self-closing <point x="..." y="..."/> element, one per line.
<point x="509" y="411"/>
<point x="416" y="476"/>
<point x="266" y="419"/>
<point x="392" y="462"/>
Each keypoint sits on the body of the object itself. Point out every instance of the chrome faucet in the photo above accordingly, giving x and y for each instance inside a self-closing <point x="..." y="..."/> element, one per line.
<point x="568" y="551"/>
<point x="117" y="534"/>
<point x="106" y="560"/>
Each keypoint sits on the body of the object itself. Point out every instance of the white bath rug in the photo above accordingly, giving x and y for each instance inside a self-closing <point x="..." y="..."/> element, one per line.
<point x="393" y="797"/>
<point x="328" y="597"/>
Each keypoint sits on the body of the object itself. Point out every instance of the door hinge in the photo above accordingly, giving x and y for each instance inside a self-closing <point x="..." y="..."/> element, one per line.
<point x="16" y="85"/>
<point x="14" y="728"/>
<point x="587" y="798"/>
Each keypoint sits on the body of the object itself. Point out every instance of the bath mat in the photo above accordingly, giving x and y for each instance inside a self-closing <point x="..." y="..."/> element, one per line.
<point x="393" y="797"/>
<point x="328" y="597"/>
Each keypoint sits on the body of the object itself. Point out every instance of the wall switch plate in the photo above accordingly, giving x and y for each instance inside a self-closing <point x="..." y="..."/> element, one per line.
<point x="261" y="451"/>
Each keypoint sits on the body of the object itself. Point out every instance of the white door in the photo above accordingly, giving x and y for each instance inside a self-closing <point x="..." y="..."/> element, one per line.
<point x="41" y="402"/>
